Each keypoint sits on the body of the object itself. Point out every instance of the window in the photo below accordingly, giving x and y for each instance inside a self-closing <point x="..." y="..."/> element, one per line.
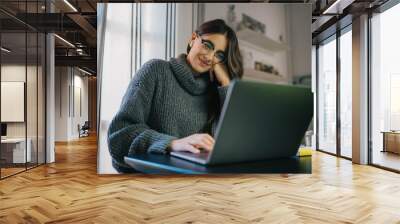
<point x="385" y="88"/>
<point x="116" y="25"/>
<point x="346" y="93"/>
<point x="327" y="96"/>
<point x="130" y="35"/>
<point x="23" y="79"/>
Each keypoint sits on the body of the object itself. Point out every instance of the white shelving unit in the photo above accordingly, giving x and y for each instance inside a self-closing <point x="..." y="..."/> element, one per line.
<point x="263" y="76"/>
<point x="259" y="40"/>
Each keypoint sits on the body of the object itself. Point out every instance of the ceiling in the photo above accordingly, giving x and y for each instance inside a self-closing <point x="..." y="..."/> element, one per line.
<point x="74" y="21"/>
<point x="332" y="15"/>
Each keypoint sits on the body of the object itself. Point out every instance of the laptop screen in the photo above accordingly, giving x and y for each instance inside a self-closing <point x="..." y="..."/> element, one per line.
<point x="3" y="129"/>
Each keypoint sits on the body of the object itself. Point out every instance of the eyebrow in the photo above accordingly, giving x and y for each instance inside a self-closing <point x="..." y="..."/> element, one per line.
<point x="209" y="41"/>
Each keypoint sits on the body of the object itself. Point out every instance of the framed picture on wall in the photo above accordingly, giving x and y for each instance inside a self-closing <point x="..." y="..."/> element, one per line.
<point x="12" y="101"/>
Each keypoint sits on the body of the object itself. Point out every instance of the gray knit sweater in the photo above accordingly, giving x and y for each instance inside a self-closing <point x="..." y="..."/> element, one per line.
<point x="165" y="100"/>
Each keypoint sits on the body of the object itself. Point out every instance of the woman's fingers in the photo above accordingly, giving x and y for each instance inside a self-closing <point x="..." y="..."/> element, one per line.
<point x="211" y="75"/>
<point x="209" y="143"/>
<point x="221" y="74"/>
<point x="192" y="149"/>
<point x="193" y="143"/>
<point x="204" y="141"/>
<point x="209" y="138"/>
<point x="202" y="145"/>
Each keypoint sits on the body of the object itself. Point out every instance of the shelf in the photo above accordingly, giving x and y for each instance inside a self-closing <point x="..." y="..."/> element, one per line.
<point x="259" y="40"/>
<point x="253" y="74"/>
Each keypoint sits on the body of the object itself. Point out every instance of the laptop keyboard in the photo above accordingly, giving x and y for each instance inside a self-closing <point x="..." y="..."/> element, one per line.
<point x="202" y="155"/>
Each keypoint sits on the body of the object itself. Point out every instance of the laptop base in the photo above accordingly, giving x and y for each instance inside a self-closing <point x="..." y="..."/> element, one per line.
<point x="200" y="158"/>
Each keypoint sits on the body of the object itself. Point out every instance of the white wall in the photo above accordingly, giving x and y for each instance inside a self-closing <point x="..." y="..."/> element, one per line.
<point x="186" y="20"/>
<point x="14" y="72"/>
<point x="80" y="83"/>
<point x="50" y="95"/>
<point x="61" y="103"/>
<point x="299" y="25"/>
<point x="33" y="126"/>
<point x="291" y="21"/>
<point x="11" y="73"/>
<point x="67" y="114"/>
<point x="272" y="15"/>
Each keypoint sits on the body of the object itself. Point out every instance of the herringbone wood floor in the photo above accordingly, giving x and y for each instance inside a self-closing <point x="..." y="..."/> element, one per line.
<point x="70" y="191"/>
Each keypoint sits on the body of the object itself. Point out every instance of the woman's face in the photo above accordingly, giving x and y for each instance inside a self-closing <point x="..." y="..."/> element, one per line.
<point x="206" y="50"/>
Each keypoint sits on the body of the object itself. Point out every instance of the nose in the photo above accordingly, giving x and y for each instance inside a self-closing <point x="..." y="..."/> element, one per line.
<point x="209" y="57"/>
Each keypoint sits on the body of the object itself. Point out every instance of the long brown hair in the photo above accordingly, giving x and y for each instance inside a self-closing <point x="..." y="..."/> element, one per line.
<point x="234" y="64"/>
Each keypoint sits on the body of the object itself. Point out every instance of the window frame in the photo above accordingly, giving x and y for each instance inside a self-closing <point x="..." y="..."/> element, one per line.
<point x="333" y="37"/>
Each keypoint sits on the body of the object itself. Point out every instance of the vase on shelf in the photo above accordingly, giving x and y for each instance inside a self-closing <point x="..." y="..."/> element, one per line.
<point x="231" y="17"/>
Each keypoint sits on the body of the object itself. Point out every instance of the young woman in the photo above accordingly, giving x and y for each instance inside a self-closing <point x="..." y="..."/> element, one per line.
<point x="175" y="105"/>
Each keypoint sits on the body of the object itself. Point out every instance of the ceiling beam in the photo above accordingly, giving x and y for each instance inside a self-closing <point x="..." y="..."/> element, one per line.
<point x="84" y="61"/>
<point x="84" y="24"/>
<point x="337" y="7"/>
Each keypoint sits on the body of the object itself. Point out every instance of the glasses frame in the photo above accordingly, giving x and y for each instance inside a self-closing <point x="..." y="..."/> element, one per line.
<point x="214" y="55"/>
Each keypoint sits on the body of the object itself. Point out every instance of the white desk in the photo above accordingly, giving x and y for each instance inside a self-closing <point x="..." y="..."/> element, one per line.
<point x="18" y="149"/>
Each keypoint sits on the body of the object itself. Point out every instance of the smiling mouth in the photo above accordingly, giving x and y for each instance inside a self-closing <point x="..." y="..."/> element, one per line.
<point x="204" y="63"/>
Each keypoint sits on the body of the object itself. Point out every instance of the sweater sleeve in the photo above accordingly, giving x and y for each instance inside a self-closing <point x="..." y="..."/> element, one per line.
<point x="128" y="132"/>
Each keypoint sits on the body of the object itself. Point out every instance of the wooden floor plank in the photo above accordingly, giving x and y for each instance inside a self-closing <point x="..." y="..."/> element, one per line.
<point x="70" y="191"/>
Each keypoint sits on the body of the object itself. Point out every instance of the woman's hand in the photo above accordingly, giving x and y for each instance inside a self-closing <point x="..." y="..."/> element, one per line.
<point x="193" y="143"/>
<point x="220" y="72"/>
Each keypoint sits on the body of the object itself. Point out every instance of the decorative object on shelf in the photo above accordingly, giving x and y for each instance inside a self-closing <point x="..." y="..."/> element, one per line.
<point x="259" y="41"/>
<point x="252" y="74"/>
<point x="231" y="17"/>
<point x="251" y="23"/>
<point x="265" y="68"/>
<point x="303" y="80"/>
<point x="248" y="60"/>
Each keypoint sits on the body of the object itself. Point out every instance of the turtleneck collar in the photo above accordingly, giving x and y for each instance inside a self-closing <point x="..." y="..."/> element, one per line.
<point x="192" y="81"/>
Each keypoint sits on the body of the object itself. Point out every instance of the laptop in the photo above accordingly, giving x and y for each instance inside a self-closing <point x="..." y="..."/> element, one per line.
<point x="258" y="121"/>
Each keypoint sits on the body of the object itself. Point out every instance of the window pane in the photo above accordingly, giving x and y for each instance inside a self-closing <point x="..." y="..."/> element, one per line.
<point x="346" y="94"/>
<point x="13" y="87"/>
<point x="327" y="97"/>
<point x="31" y="97"/>
<point x="127" y="45"/>
<point x="153" y="31"/>
<point x="116" y="60"/>
<point x="41" y="98"/>
<point x="386" y="89"/>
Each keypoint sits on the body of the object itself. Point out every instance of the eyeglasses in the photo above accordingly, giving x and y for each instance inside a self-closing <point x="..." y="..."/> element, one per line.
<point x="208" y="46"/>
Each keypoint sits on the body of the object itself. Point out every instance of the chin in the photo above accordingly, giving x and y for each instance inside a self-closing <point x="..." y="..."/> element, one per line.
<point x="200" y="69"/>
<point x="204" y="70"/>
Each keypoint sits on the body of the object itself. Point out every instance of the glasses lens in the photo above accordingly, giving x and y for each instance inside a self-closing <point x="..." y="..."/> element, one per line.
<point x="220" y="57"/>
<point x="207" y="46"/>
